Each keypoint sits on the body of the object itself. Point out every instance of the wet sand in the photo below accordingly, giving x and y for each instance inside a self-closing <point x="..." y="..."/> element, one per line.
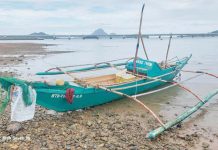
<point x="14" y="53"/>
<point x="117" y="125"/>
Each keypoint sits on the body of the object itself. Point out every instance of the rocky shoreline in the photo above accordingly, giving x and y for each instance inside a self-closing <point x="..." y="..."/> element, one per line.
<point x="100" y="127"/>
<point x="92" y="129"/>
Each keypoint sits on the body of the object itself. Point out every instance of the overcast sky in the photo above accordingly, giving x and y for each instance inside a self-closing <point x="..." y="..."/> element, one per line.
<point x="114" y="16"/>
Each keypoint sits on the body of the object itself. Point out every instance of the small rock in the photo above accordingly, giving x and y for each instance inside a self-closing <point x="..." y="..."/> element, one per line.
<point x="179" y="125"/>
<point x="195" y="135"/>
<point x="181" y="136"/>
<point x="133" y="148"/>
<point x="14" y="127"/>
<point x="51" y="112"/>
<point x="132" y="145"/>
<point x="89" y="123"/>
<point x="188" y="138"/>
<point x="60" y="114"/>
<point x="68" y="147"/>
<point x="98" y="121"/>
<point x="79" y="110"/>
<point x="73" y="127"/>
<point x="104" y="139"/>
<point x="101" y="145"/>
<point x="5" y="139"/>
<point x="143" y="115"/>
<point x="205" y="145"/>
<point x="161" y="116"/>
<point x="216" y="135"/>
<point x="28" y="138"/>
<point x="14" y="146"/>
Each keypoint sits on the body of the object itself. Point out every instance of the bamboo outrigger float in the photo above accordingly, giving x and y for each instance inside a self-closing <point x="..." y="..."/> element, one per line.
<point x="153" y="134"/>
<point x="137" y="78"/>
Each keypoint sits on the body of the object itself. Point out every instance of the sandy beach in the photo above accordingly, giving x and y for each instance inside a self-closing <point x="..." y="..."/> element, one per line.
<point x="101" y="127"/>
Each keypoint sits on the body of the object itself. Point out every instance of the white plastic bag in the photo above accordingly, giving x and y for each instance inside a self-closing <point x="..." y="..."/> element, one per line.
<point x="19" y="111"/>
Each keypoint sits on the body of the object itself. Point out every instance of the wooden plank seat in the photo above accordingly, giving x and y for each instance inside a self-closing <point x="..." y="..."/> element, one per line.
<point x="105" y="80"/>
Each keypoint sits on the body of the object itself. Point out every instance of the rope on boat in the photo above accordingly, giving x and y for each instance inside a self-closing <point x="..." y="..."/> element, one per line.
<point x="142" y="84"/>
<point x="207" y="73"/>
<point x="172" y="82"/>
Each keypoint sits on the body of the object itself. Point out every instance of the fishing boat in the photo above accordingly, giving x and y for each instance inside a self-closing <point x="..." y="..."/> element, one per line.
<point x="87" y="92"/>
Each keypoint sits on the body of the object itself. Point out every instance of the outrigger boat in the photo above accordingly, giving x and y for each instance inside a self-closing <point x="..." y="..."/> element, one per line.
<point x="87" y="91"/>
<point x="136" y="78"/>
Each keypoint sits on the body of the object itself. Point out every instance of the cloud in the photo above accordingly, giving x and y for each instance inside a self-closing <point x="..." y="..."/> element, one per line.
<point x="119" y="16"/>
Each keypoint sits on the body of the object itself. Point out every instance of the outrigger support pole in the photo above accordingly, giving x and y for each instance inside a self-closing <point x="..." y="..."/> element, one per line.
<point x="153" y="134"/>
<point x="168" y="48"/>
<point x="144" y="46"/>
<point x="134" y="99"/>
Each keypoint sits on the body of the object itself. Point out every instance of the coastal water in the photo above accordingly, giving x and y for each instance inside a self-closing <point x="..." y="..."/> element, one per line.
<point x="204" y="57"/>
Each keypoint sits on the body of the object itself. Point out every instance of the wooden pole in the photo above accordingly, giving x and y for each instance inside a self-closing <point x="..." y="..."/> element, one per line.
<point x="144" y="47"/>
<point x="136" y="100"/>
<point x="139" y="34"/>
<point x="168" y="48"/>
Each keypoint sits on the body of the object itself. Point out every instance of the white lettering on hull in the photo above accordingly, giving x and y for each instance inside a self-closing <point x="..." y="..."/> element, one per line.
<point x="63" y="96"/>
<point x="144" y="62"/>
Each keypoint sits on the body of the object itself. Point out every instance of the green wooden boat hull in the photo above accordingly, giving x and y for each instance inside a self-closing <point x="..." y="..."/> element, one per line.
<point x="53" y="97"/>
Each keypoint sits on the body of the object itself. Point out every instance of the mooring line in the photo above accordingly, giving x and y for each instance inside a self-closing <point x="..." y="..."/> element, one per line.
<point x="207" y="73"/>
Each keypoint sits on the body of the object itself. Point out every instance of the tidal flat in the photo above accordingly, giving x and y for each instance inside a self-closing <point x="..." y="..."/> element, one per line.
<point x="118" y="125"/>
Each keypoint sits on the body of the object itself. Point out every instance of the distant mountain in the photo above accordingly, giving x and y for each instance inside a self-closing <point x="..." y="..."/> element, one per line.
<point x="99" y="32"/>
<point x="38" y="34"/>
<point x="113" y="34"/>
<point x="215" y="31"/>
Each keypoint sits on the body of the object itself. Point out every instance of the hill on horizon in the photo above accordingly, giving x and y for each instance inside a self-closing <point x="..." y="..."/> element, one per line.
<point x="215" y="31"/>
<point x="39" y="34"/>
<point x="99" y="31"/>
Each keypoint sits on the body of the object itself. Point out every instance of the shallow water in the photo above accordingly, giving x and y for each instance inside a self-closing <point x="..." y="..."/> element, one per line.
<point x="205" y="57"/>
